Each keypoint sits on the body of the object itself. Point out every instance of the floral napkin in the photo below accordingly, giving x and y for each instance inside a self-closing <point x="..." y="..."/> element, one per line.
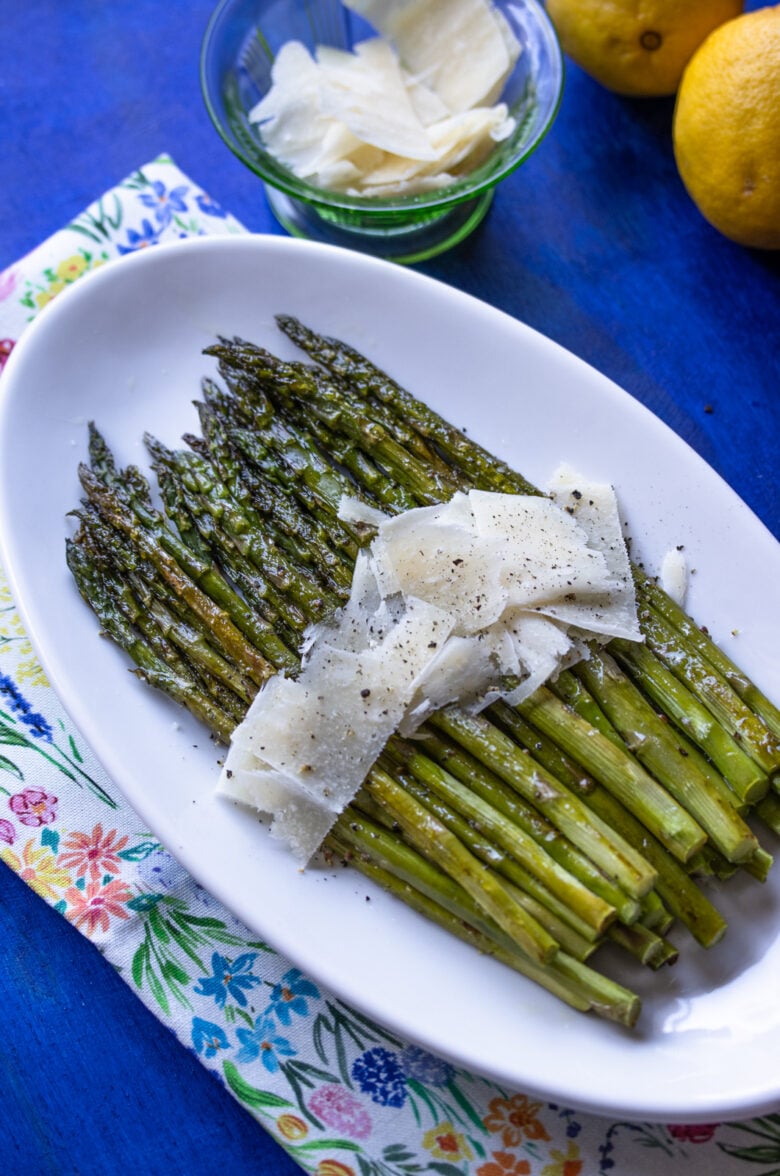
<point x="341" y="1094"/>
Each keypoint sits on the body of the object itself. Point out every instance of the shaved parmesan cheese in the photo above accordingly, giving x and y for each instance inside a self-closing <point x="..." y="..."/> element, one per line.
<point x="541" y="647"/>
<point x="459" y="143"/>
<point x="293" y="124"/>
<point x="299" y="822"/>
<point x="484" y="597"/>
<point x="468" y="670"/>
<point x="595" y="508"/>
<point x="365" y="91"/>
<point x="674" y="575"/>
<point x="421" y="553"/>
<point x="547" y="552"/>
<point x="403" y="113"/>
<point x="352" y="510"/>
<point x="298" y="130"/>
<point x="412" y="186"/>
<point x="426" y="103"/>
<point x="312" y="740"/>
<point x="466" y="68"/>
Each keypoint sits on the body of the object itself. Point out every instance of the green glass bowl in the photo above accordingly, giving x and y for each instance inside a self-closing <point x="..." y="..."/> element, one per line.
<point x="241" y="41"/>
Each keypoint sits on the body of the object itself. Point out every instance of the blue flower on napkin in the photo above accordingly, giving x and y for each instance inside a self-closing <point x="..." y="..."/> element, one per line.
<point x="156" y="867"/>
<point x="265" y="1043"/>
<point x="163" y="202"/>
<point x="230" y="978"/>
<point x="210" y="207"/>
<point x="18" y="704"/>
<point x="289" y="996"/>
<point x="425" y="1067"/>
<point x="148" y="236"/>
<point x="379" y="1075"/>
<point x="208" y="1038"/>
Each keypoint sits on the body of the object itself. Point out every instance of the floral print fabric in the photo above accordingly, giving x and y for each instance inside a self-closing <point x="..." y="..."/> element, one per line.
<point x="342" y="1095"/>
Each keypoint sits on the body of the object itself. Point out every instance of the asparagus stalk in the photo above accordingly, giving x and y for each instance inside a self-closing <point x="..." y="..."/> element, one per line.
<point x="619" y="773"/>
<point x="508" y="837"/>
<point x="194" y="646"/>
<point x="656" y="916"/>
<point x="383" y="844"/>
<point x="292" y="384"/>
<point x="759" y="865"/>
<point x="285" y="457"/>
<point x="570" y="981"/>
<point x="423" y="830"/>
<point x="700" y="640"/>
<point x="644" y="945"/>
<point x="368" y="381"/>
<point x="148" y="604"/>
<point x="675" y="887"/>
<point x="506" y="901"/>
<point x="707" y="861"/>
<point x="603" y="846"/>
<point x="402" y="451"/>
<point x="350" y="456"/>
<point x="262" y="362"/>
<point x="245" y="526"/>
<point x="768" y="810"/>
<point x="538" y="943"/>
<point x="492" y="856"/>
<point x="711" y="749"/>
<point x="672" y="760"/>
<point x="202" y="587"/>
<point x="410" y="463"/>
<point x="334" y="405"/>
<point x="713" y="690"/>
<point x="200" y="531"/>
<point x="130" y="483"/>
<point x="297" y="528"/>
<point x="159" y="455"/>
<point x="152" y="668"/>
<point x="486" y="785"/>
<point x="144" y="606"/>
<point x="695" y="834"/>
<point x="747" y="780"/>
<point x="361" y="375"/>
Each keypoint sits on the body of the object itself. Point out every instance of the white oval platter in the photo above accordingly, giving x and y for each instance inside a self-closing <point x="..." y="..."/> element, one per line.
<point x="123" y="347"/>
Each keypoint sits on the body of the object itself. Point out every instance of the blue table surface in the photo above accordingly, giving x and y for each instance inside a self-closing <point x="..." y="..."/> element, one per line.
<point x="593" y="242"/>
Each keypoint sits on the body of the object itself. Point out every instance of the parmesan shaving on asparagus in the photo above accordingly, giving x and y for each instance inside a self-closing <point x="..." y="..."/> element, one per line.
<point x="484" y="597"/>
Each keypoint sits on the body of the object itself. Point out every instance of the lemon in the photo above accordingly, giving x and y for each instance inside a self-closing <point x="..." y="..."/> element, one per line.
<point x="637" y="47"/>
<point x="726" y="129"/>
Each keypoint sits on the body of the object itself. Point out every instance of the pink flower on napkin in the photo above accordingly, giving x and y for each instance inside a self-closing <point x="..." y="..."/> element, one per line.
<point x="96" y="852"/>
<point x="339" y="1109"/>
<point x="95" y="906"/>
<point x="33" y="806"/>
<point x="693" y="1132"/>
<point x="7" y="832"/>
<point x="7" y="284"/>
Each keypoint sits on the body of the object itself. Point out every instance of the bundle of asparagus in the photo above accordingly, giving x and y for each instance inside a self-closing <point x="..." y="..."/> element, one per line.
<point x="586" y="815"/>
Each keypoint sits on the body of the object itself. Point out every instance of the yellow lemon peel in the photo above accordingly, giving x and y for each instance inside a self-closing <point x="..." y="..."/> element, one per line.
<point x="726" y="129"/>
<point x="637" y="47"/>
